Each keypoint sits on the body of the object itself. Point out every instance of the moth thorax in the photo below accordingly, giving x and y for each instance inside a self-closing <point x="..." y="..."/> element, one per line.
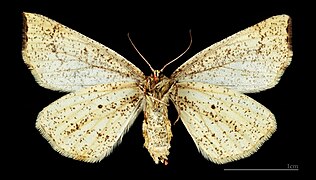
<point x="157" y="85"/>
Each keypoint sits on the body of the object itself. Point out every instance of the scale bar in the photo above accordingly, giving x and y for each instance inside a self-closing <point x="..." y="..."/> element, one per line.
<point x="261" y="169"/>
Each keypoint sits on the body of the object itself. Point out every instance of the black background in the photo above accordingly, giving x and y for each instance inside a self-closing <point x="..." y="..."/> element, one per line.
<point x="161" y="32"/>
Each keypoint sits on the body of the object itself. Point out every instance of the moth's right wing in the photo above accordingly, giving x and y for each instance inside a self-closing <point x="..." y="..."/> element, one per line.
<point x="65" y="60"/>
<point x="248" y="61"/>
<point x="86" y="125"/>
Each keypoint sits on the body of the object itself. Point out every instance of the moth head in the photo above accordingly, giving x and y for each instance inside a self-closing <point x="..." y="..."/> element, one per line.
<point x="156" y="75"/>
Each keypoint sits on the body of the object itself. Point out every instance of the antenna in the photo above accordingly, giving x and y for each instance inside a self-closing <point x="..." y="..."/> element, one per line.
<point x="152" y="69"/>
<point x="180" y="54"/>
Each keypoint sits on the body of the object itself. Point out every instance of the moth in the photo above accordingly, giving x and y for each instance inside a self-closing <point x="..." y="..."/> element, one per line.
<point x="107" y="92"/>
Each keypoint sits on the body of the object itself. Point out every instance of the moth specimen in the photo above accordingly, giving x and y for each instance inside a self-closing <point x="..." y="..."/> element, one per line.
<point x="107" y="92"/>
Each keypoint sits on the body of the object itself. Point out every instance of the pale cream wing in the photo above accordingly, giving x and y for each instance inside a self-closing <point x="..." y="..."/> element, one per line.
<point x="251" y="60"/>
<point x="225" y="125"/>
<point x="87" y="124"/>
<point x="65" y="60"/>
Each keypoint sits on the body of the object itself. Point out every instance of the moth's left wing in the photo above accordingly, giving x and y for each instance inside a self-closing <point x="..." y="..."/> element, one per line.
<point x="87" y="124"/>
<point x="225" y="125"/>
<point x="63" y="59"/>
<point x="251" y="60"/>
